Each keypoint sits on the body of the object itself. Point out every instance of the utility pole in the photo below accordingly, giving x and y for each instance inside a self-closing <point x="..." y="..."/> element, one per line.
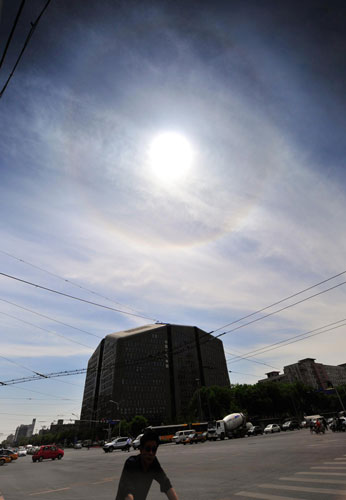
<point x="331" y="386"/>
<point x="199" y="399"/>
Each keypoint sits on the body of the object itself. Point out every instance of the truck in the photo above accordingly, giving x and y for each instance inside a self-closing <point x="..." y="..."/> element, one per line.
<point x="232" y="426"/>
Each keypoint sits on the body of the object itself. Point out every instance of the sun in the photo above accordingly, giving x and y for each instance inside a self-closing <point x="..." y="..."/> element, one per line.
<point x="170" y="156"/>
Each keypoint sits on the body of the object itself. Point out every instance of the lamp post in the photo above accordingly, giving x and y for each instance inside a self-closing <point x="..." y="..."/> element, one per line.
<point x="331" y="386"/>
<point x="118" y="405"/>
<point x="199" y="399"/>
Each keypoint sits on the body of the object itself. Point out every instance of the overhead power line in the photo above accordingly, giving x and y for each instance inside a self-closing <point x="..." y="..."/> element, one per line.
<point x="73" y="283"/>
<point x="75" y="298"/>
<point x="39" y="376"/>
<point x="32" y="29"/>
<point x="282" y="309"/>
<point x="12" y="32"/>
<point x="278" y="302"/>
<point x="51" y="319"/>
<point x="290" y="340"/>
<point x="52" y="332"/>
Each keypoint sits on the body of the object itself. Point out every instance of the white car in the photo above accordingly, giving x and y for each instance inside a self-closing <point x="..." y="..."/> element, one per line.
<point x="117" y="444"/>
<point x="136" y="442"/>
<point x="272" y="428"/>
<point x="22" y="452"/>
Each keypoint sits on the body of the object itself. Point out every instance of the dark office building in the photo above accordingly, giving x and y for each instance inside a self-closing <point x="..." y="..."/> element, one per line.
<point x="153" y="371"/>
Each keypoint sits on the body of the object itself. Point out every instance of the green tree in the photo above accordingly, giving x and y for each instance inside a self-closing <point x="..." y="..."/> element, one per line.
<point x="137" y="425"/>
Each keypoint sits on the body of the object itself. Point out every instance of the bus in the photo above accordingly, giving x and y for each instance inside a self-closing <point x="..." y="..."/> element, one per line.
<point x="166" y="432"/>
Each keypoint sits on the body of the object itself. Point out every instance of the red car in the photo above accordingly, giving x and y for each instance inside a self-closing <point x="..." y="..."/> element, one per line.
<point x="46" y="452"/>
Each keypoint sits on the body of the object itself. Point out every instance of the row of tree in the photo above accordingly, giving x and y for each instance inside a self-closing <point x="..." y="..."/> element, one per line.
<point x="259" y="402"/>
<point x="270" y="400"/>
<point x="81" y="433"/>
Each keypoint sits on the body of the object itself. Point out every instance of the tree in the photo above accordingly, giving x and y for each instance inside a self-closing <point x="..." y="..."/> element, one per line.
<point x="138" y="424"/>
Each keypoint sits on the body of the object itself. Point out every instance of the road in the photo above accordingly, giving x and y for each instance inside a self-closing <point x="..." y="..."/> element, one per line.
<point x="291" y="465"/>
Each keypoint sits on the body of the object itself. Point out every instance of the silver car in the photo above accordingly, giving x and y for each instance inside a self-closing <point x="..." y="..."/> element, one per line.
<point x="272" y="428"/>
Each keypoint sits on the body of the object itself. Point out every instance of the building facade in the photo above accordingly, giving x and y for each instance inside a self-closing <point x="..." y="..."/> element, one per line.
<point x="152" y="371"/>
<point x="315" y="375"/>
<point x="24" y="431"/>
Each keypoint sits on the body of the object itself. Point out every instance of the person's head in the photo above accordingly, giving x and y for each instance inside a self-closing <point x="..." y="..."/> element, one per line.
<point x="148" y="447"/>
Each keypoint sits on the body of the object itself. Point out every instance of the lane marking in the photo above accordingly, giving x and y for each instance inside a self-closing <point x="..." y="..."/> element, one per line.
<point x="333" y="463"/>
<point x="265" y="496"/>
<point x="303" y="489"/>
<point x="48" y="491"/>
<point x="313" y="480"/>
<point x="107" y="480"/>
<point x="329" y="468"/>
<point x="324" y="473"/>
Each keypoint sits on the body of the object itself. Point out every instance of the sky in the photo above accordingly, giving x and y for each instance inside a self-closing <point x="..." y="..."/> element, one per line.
<point x="241" y="205"/>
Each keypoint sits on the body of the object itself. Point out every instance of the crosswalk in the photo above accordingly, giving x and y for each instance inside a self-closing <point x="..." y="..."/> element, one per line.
<point x="319" y="482"/>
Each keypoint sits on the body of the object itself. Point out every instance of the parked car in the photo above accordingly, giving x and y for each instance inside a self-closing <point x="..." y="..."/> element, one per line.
<point x="255" y="430"/>
<point x="194" y="437"/>
<point x="4" y="459"/>
<point x="181" y="435"/>
<point x="22" y="452"/>
<point x="136" y="442"/>
<point x="77" y="446"/>
<point x="9" y="453"/>
<point x="47" y="452"/>
<point x="290" y="425"/>
<point x="117" y="444"/>
<point x="272" y="428"/>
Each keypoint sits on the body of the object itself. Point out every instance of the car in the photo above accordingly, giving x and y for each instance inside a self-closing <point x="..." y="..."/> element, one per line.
<point x="9" y="453"/>
<point x="22" y="452"/>
<point x="77" y="446"/>
<point x="46" y="452"/>
<point x="255" y="430"/>
<point x="272" y="428"/>
<point x="181" y="435"/>
<point x="136" y="442"/>
<point x="117" y="444"/>
<point x="290" y="425"/>
<point x="195" y="437"/>
<point x="4" y="459"/>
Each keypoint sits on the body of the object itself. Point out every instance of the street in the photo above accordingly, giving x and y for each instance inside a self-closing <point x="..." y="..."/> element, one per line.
<point x="287" y="465"/>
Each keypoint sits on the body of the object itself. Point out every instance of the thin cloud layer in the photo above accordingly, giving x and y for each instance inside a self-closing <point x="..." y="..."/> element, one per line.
<point x="257" y="92"/>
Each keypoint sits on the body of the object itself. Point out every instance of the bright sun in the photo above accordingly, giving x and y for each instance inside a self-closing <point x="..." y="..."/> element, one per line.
<point x="170" y="156"/>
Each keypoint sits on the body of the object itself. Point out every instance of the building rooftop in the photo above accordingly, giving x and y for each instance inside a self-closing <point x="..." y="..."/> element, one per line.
<point x="135" y="331"/>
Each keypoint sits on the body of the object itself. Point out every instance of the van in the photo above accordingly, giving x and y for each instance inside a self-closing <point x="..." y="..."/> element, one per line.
<point x="181" y="435"/>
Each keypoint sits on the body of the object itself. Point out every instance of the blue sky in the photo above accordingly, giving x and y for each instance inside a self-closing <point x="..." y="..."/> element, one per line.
<point x="257" y="91"/>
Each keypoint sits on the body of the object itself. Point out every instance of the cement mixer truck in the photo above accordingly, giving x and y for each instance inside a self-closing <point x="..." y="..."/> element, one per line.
<point x="232" y="426"/>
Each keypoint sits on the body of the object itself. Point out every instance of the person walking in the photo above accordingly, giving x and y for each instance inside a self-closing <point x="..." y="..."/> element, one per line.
<point x="140" y="470"/>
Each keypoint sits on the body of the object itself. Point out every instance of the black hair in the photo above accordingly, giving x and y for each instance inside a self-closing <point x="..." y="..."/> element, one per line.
<point x="149" y="436"/>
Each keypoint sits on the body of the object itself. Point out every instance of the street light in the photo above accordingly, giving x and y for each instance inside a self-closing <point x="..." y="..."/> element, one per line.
<point x="331" y="386"/>
<point x="109" y="428"/>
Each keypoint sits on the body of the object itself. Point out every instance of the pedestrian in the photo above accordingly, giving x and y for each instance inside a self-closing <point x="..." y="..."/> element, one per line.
<point x="140" y="470"/>
<point x="311" y="426"/>
<point x="128" y="444"/>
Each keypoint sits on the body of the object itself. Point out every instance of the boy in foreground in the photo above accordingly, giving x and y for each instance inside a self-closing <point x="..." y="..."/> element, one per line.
<point x="140" y="470"/>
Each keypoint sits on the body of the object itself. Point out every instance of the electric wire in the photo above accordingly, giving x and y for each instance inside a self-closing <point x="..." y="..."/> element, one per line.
<point x="278" y="302"/>
<point x="280" y="310"/>
<point x="37" y="374"/>
<point x="301" y="336"/>
<point x="12" y="32"/>
<point x="253" y="360"/>
<point x="51" y="319"/>
<point x="52" y="332"/>
<point x="31" y="32"/>
<point x="74" y="283"/>
<point x="75" y="298"/>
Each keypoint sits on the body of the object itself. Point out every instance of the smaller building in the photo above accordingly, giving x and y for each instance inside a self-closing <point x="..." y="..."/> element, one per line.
<point x="24" y="431"/>
<point x="306" y="371"/>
